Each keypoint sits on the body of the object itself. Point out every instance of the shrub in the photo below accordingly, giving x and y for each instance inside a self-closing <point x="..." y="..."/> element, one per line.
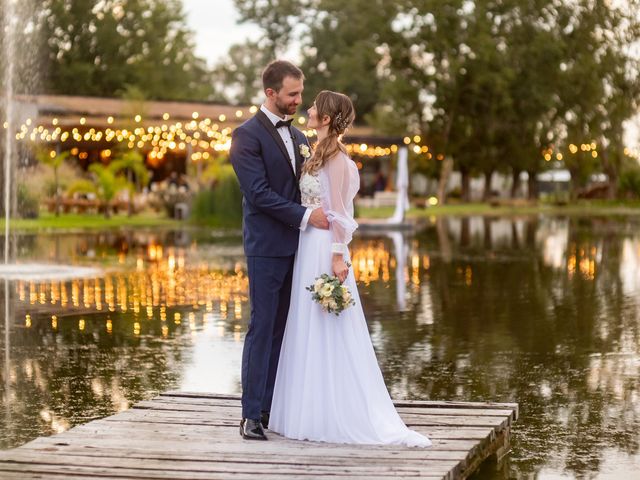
<point x="28" y="204"/>
<point x="221" y="204"/>
<point x="629" y="183"/>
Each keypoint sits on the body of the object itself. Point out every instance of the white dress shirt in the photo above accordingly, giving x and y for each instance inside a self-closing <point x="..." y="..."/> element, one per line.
<point x="287" y="139"/>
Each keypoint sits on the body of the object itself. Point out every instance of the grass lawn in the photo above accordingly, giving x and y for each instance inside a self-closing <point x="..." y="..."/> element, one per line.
<point x="583" y="207"/>
<point x="49" y="221"/>
<point x="74" y="221"/>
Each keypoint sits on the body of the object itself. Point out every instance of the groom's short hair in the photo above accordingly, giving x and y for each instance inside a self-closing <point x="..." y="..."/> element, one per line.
<point x="276" y="71"/>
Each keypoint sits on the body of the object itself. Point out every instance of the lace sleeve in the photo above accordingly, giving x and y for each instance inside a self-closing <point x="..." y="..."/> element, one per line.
<point x="342" y="184"/>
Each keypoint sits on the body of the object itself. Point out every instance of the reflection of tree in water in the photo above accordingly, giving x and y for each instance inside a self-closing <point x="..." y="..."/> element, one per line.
<point x="563" y="342"/>
<point x="67" y="376"/>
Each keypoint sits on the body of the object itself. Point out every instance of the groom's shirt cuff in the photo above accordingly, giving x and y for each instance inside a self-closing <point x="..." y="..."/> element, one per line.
<point x="305" y="219"/>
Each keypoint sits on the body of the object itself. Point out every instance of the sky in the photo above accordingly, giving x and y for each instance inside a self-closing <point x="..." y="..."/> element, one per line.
<point x="215" y="25"/>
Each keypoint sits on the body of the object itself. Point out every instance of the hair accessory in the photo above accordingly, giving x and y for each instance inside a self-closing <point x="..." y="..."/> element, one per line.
<point x="340" y="123"/>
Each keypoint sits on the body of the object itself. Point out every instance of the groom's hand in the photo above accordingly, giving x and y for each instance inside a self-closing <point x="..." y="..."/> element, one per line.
<point x="318" y="219"/>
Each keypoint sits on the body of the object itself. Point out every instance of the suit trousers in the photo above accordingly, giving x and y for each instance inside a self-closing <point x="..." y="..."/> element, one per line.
<point x="269" y="294"/>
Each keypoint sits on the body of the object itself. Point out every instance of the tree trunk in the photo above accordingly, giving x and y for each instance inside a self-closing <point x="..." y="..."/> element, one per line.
<point x="465" y="187"/>
<point x="574" y="185"/>
<point x="130" y="203"/>
<point x="532" y="185"/>
<point x="107" y="209"/>
<point x="445" y="173"/>
<point x="610" y="169"/>
<point x="57" y="194"/>
<point x="515" y="183"/>
<point x="486" y="194"/>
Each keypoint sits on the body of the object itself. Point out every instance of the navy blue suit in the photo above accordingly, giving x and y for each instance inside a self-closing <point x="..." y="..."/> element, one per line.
<point x="271" y="220"/>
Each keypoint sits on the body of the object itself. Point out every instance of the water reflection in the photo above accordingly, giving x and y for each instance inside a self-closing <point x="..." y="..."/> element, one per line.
<point x="543" y="311"/>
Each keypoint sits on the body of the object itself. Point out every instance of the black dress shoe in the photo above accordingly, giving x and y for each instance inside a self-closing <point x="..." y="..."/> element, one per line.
<point x="264" y="419"/>
<point x="251" y="429"/>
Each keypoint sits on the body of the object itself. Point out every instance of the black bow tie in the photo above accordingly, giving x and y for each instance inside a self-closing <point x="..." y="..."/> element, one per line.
<point x="284" y="123"/>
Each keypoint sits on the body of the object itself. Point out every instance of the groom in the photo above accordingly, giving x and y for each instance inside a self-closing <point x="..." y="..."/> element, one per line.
<point x="267" y="154"/>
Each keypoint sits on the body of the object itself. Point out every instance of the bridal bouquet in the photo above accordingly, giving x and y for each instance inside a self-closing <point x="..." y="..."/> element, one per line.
<point x="331" y="294"/>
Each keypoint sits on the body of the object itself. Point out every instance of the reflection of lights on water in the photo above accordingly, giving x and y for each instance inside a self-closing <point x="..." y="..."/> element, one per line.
<point x="192" y="321"/>
<point x="109" y="326"/>
<point x="176" y="318"/>
<point x="81" y="324"/>
<point x="54" y="322"/>
<point x="136" y="328"/>
<point x="371" y="262"/>
<point x="582" y="260"/>
<point x="27" y="320"/>
<point x="237" y="307"/>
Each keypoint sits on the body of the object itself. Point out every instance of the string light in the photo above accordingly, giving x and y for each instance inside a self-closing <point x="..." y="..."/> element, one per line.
<point x="205" y="135"/>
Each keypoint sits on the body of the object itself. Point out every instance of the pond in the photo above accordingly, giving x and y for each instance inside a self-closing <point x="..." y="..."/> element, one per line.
<point x="543" y="311"/>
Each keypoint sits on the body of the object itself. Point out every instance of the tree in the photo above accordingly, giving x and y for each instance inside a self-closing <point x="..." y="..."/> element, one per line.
<point x="98" y="47"/>
<point x="599" y="86"/>
<point x="491" y="85"/>
<point x="277" y="19"/>
<point x="240" y="75"/>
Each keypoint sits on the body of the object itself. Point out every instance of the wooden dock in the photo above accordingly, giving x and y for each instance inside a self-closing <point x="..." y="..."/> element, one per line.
<point x="180" y="435"/>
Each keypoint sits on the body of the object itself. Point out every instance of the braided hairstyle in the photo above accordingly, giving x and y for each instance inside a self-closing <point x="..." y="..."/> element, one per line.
<point x="339" y="108"/>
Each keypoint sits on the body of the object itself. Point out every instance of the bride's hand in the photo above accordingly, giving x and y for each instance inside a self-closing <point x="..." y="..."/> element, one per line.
<point x="340" y="267"/>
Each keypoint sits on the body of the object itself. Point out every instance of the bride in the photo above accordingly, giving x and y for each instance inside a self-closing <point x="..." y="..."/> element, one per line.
<point x="329" y="386"/>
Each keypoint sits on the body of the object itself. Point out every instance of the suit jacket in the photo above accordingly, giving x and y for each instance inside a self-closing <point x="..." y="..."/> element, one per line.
<point x="271" y="210"/>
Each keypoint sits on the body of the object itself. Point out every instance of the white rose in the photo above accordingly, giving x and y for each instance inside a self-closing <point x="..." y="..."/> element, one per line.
<point x="318" y="285"/>
<point x="326" y="290"/>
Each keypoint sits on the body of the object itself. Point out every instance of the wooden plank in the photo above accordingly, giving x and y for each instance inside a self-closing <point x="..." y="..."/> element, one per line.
<point x="212" y="432"/>
<point x="99" y="449"/>
<point x="411" y="420"/>
<point x="214" y="465"/>
<point x="184" y="435"/>
<point x="315" y="449"/>
<point x="88" y="473"/>
<point x="162" y="404"/>
<point x="398" y="403"/>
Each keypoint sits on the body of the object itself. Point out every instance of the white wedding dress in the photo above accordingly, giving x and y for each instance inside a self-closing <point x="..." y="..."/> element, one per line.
<point x="329" y="386"/>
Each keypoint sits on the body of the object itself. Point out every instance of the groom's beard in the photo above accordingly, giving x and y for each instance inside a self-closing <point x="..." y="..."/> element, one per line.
<point x="286" y="108"/>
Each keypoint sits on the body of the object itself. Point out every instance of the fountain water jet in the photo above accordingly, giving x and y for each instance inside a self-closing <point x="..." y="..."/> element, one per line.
<point x="15" y="16"/>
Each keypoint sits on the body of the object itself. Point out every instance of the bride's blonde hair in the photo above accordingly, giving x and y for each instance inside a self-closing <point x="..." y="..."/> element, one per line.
<point x="339" y="108"/>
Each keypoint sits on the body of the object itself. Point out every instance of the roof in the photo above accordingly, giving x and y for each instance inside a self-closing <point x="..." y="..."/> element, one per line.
<point x="96" y="110"/>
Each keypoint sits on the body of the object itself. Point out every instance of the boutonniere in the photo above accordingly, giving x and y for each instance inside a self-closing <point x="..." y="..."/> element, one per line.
<point x="305" y="151"/>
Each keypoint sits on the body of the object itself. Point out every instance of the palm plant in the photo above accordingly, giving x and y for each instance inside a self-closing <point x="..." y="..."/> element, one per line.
<point x="131" y="162"/>
<point x="105" y="184"/>
<point x="54" y="160"/>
